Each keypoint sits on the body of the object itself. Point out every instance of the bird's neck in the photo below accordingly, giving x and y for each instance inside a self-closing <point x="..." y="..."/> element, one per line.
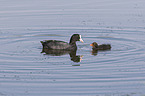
<point x="71" y="42"/>
<point x="73" y="45"/>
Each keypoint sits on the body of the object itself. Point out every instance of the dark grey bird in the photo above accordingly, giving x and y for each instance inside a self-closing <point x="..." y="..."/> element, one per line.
<point x="95" y="46"/>
<point x="61" y="45"/>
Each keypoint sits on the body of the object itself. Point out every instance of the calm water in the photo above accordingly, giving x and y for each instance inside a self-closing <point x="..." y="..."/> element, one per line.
<point x="25" y="71"/>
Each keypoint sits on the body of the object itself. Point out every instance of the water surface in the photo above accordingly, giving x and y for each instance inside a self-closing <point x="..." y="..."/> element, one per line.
<point x="25" y="71"/>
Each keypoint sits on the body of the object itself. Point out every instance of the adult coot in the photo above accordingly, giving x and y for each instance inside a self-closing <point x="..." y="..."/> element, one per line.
<point x="100" y="47"/>
<point x="61" y="45"/>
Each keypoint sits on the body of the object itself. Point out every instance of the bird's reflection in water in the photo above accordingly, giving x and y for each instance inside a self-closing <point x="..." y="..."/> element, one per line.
<point x="73" y="56"/>
<point x="95" y="52"/>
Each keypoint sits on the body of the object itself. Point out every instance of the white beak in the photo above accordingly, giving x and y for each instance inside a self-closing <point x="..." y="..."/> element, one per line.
<point x="81" y="39"/>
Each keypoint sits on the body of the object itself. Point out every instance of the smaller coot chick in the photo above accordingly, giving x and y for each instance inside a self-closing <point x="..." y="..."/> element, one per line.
<point x="61" y="45"/>
<point x="100" y="47"/>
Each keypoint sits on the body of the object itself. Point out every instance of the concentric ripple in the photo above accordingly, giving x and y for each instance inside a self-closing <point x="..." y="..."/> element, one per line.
<point x="27" y="71"/>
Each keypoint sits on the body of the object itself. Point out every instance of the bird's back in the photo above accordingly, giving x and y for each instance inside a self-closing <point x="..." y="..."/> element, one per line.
<point x="55" y="44"/>
<point x="104" y="46"/>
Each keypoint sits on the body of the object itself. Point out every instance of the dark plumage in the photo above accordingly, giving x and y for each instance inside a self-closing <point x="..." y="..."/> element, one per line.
<point x="95" y="46"/>
<point x="61" y="45"/>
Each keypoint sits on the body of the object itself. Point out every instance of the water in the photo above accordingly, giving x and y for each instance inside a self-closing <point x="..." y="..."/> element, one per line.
<point x="25" y="71"/>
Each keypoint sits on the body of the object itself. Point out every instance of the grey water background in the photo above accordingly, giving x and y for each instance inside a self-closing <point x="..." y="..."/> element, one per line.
<point x="25" y="71"/>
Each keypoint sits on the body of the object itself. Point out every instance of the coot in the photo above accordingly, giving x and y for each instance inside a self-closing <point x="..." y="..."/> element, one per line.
<point x="61" y="45"/>
<point x="100" y="47"/>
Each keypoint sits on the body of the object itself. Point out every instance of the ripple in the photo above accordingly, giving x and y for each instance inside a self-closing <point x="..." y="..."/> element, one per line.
<point x="25" y="71"/>
<point x="118" y="71"/>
